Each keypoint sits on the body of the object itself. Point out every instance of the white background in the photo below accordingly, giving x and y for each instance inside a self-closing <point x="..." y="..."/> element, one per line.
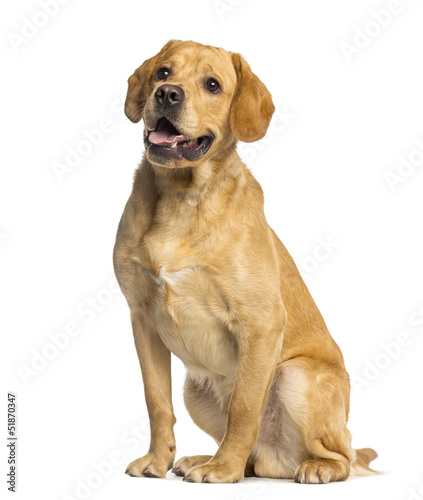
<point x="323" y="172"/>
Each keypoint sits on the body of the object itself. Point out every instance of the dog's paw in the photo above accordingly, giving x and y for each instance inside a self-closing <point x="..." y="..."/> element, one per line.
<point x="183" y="464"/>
<point x="313" y="472"/>
<point x="214" y="472"/>
<point x="149" y="466"/>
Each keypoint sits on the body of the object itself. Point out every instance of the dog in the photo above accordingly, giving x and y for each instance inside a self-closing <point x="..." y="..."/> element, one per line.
<point x="208" y="280"/>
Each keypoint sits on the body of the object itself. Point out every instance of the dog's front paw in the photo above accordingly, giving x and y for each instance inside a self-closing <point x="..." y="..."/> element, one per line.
<point x="214" y="472"/>
<point x="183" y="464"/>
<point x="149" y="465"/>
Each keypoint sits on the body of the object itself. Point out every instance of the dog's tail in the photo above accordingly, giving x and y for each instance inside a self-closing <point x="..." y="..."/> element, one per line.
<point x="360" y="466"/>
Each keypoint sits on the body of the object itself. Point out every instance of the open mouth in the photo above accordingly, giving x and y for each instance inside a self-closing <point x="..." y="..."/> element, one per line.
<point x="165" y="140"/>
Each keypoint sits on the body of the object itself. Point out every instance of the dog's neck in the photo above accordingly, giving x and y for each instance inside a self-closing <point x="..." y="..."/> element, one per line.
<point x="192" y="183"/>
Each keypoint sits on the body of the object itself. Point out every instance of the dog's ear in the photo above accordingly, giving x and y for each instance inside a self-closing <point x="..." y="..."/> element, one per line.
<point x="138" y="84"/>
<point x="137" y="95"/>
<point x="252" y="106"/>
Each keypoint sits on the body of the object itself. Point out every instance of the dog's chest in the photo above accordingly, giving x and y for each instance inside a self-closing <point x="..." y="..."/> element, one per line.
<point x="190" y="314"/>
<point x="189" y="310"/>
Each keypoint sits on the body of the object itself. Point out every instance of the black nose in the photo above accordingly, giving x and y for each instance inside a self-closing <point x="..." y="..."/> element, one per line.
<point x="169" y="95"/>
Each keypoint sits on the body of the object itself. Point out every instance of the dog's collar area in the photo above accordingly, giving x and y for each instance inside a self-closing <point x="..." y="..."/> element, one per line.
<point x="167" y="141"/>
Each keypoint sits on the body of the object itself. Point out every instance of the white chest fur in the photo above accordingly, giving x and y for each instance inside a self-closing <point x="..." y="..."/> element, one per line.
<point x="190" y="320"/>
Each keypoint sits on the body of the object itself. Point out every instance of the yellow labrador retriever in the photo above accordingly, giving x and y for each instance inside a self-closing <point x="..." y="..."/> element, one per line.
<point x="207" y="279"/>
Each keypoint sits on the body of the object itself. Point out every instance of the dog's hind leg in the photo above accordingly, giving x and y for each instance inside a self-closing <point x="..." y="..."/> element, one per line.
<point x="205" y="410"/>
<point x="316" y="396"/>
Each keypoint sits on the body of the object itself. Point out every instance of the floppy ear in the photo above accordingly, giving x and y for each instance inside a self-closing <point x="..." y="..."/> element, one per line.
<point x="138" y="86"/>
<point x="137" y="95"/>
<point x="252" y="105"/>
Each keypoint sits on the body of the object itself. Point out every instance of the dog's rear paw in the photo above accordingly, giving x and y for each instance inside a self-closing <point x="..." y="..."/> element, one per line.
<point x="149" y="466"/>
<point x="321" y="471"/>
<point x="185" y="463"/>
<point x="313" y="472"/>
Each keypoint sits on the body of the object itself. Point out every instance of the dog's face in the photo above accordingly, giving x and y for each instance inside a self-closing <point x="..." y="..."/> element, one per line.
<point x="195" y="101"/>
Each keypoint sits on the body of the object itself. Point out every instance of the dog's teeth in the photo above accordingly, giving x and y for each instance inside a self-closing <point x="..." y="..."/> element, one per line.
<point x="190" y="142"/>
<point x="173" y="145"/>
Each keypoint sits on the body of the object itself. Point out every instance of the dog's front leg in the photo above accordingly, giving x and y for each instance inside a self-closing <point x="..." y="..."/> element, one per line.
<point x="259" y="352"/>
<point x="154" y="359"/>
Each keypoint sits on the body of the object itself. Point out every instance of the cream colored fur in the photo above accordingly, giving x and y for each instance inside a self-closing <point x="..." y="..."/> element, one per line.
<point x="207" y="279"/>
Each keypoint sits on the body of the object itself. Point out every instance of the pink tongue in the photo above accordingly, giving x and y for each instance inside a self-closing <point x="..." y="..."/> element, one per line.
<point x="163" y="138"/>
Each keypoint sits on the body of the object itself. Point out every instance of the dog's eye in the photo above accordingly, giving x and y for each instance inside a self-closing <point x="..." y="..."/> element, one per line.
<point x="212" y="85"/>
<point x="163" y="74"/>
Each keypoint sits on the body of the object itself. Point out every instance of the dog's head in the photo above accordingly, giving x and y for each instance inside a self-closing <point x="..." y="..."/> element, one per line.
<point x="195" y="100"/>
